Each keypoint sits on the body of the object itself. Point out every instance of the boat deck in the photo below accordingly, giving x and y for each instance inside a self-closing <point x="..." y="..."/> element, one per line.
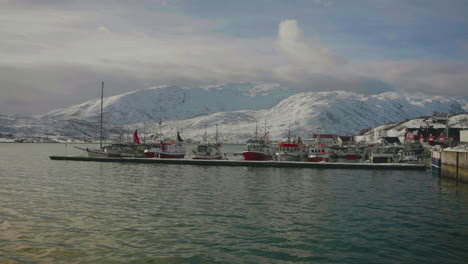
<point x="243" y="163"/>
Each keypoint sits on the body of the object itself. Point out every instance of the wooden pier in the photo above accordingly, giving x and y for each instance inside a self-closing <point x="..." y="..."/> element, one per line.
<point x="243" y="163"/>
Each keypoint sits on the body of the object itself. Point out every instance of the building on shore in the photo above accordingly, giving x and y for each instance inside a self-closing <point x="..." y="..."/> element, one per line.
<point x="464" y="136"/>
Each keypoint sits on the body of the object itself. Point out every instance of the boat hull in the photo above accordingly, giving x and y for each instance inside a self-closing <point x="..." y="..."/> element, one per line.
<point x="289" y="157"/>
<point x="172" y="156"/>
<point x="382" y="159"/>
<point x="318" y="159"/>
<point x="436" y="160"/>
<point x="96" y="154"/>
<point x="208" y="158"/>
<point x="435" y="165"/>
<point x="165" y="155"/>
<point x="352" y="156"/>
<point x="250" y="155"/>
<point x="133" y="155"/>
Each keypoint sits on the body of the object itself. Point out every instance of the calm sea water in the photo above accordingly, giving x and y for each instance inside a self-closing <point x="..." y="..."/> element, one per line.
<point x="89" y="212"/>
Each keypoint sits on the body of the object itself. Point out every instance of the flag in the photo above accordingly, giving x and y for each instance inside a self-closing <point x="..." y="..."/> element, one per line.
<point x="179" y="139"/>
<point x="136" y="140"/>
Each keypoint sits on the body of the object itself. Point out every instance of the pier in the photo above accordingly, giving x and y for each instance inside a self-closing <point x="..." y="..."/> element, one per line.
<point x="454" y="165"/>
<point x="243" y="163"/>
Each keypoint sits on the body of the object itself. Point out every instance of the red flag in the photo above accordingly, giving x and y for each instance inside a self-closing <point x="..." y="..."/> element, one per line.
<point x="136" y="140"/>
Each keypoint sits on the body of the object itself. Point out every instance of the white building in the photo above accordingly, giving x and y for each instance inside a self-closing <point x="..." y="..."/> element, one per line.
<point x="464" y="136"/>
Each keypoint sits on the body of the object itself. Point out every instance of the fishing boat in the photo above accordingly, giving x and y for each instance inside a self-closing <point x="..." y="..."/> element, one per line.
<point x="134" y="149"/>
<point x="291" y="150"/>
<point x="410" y="152"/>
<point x="351" y="156"/>
<point x="208" y="150"/>
<point x="258" y="147"/>
<point x="318" y="152"/>
<point x="408" y="156"/>
<point x="383" y="154"/>
<point x="352" y="151"/>
<point x="166" y="148"/>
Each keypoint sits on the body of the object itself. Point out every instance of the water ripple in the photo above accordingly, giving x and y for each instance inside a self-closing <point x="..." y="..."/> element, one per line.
<point x="73" y="212"/>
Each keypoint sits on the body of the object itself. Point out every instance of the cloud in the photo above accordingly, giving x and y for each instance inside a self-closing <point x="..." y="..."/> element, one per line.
<point x="309" y="54"/>
<point x="56" y="54"/>
<point x="173" y="50"/>
<point x="103" y="29"/>
<point x="446" y="78"/>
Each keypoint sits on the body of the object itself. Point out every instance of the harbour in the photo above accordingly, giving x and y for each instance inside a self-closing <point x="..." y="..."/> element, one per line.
<point x="214" y="132"/>
<point x="242" y="163"/>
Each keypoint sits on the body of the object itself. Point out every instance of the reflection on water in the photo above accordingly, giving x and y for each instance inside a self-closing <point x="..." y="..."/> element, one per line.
<point x="63" y="211"/>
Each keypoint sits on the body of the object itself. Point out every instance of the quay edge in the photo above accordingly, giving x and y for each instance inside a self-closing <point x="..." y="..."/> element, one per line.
<point x="454" y="165"/>
<point x="241" y="163"/>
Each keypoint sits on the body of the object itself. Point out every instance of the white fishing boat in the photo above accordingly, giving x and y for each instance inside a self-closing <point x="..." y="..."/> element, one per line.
<point x="410" y="153"/>
<point x="208" y="150"/>
<point x="166" y="148"/>
<point x="318" y="152"/>
<point x="134" y="149"/>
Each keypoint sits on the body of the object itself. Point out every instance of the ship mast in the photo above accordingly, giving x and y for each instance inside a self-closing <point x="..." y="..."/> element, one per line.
<point x="102" y="96"/>
<point x="205" y="136"/>
<point x="447" y="128"/>
<point x="317" y="141"/>
<point x="256" y="129"/>
<point x="159" y="138"/>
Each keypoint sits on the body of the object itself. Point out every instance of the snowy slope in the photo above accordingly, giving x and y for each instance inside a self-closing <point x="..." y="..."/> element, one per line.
<point x="169" y="102"/>
<point x="345" y="113"/>
<point x="236" y="108"/>
<point x="340" y="113"/>
<point x="62" y="130"/>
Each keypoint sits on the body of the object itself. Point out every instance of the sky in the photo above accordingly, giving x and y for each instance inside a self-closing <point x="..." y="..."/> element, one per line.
<point x="55" y="53"/>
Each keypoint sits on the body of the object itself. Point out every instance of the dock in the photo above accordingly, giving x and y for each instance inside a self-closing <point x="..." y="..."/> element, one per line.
<point x="454" y="164"/>
<point x="243" y="163"/>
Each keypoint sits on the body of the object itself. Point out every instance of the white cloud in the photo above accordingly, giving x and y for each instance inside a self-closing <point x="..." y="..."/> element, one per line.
<point x="306" y="55"/>
<point x="166" y="51"/>
<point x="103" y="29"/>
<point x="60" y="51"/>
<point x="447" y="78"/>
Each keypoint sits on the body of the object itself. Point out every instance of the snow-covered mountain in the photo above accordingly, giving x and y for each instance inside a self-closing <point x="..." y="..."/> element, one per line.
<point x="13" y="127"/>
<point x="170" y="102"/>
<point x="337" y="112"/>
<point x="236" y="108"/>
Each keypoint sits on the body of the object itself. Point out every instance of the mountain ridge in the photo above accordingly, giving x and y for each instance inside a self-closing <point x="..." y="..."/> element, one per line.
<point x="336" y="112"/>
<point x="171" y="102"/>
